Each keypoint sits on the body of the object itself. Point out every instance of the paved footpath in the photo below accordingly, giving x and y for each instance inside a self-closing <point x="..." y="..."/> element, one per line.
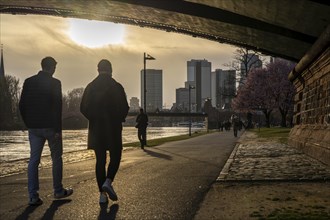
<point x="263" y="179"/>
<point x="164" y="182"/>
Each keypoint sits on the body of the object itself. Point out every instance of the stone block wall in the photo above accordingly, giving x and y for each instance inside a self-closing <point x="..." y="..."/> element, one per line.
<point x="311" y="132"/>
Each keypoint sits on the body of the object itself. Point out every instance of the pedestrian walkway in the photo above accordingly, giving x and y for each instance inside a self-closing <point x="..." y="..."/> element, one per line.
<point x="162" y="182"/>
<point x="256" y="159"/>
<point x="264" y="179"/>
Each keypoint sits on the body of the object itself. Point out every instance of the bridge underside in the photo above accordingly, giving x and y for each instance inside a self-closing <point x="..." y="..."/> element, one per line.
<point x="297" y="30"/>
<point x="281" y="28"/>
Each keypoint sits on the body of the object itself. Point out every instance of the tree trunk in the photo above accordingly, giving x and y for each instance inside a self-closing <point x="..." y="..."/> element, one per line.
<point x="283" y="117"/>
<point x="249" y="119"/>
<point x="267" y="116"/>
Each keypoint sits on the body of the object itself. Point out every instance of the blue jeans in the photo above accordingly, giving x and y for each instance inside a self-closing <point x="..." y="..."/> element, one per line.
<point x="37" y="138"/>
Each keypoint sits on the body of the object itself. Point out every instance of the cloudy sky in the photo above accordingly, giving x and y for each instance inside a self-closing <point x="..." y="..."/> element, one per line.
<point x="78" y="45"/>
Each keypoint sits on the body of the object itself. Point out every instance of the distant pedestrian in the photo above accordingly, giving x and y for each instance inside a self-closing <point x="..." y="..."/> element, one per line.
<point x="105" y="105"/>
<point x="141" y="125"/>
<point x="235" y="122"/>
<point x="41" y="109"/>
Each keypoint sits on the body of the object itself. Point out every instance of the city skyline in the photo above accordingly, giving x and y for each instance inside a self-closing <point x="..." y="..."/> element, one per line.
<point x="202" y="84"/>
<point x="27" y="39"/>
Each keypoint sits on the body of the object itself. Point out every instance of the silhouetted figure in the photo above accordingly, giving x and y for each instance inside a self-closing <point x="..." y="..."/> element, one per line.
<point x="41" y="109"/>
<point x="105" y="105"/>
<point x="235" y="122"/>
<point x="141" y="125"/>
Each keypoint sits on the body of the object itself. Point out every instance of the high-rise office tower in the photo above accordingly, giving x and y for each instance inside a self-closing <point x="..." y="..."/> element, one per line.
<point x="249" y="62"/>
<point x="134" y="104"/>
<point x="199" y="76"/>
<point x="223" y="88"/>
<point x="182" y="99"/>
<point x="154" y="88"/>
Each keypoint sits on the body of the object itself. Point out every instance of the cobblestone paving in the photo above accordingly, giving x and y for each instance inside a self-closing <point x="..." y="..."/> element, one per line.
<point x="273" y="161"/>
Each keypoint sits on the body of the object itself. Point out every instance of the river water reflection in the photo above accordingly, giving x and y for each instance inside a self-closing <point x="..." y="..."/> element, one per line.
<point x="14" y="145"/>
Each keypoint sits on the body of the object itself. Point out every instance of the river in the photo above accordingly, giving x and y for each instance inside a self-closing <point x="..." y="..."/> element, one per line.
<point x="14" y="145"/>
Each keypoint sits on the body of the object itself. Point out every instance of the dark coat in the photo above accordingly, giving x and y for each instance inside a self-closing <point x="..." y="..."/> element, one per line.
<point x="41" y="102"/>
<point x="105" y="105"/>
<point x="142" y="121"/>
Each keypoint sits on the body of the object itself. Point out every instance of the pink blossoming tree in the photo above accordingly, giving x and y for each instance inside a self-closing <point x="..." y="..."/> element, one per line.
<point x="267" y="89"/>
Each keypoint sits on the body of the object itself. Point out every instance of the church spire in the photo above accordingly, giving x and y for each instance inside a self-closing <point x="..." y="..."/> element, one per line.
<point x="2" y="67"/>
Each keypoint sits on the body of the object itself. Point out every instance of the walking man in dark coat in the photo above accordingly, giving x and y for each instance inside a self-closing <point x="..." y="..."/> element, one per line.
<point x="141" y="125"/>
<point x="235" y="122"/>
<point x="41" y="109"/>
<point x="105" y="105"/>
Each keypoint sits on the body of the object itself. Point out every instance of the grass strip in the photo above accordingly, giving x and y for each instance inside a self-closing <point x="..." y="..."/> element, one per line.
<point x="275" y="133"/>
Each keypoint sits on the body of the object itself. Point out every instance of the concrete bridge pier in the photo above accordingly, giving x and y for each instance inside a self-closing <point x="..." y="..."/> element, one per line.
<point x="311" y="78"/>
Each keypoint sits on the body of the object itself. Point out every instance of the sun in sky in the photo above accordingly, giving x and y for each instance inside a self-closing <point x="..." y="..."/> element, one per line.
<point x="94" y="34"/>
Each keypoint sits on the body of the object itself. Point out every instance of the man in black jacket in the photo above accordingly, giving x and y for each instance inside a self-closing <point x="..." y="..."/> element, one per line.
<point x="141" y="125"/>
<point x="41" y="109"/>
<point x="105" y="106"/>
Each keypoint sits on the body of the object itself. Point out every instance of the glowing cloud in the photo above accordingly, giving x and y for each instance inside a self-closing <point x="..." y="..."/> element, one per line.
<point x="95" y="33"/>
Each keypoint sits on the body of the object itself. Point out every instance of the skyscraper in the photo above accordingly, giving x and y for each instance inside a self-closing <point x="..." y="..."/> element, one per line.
<point x="249" y="62"/>
<point x="199" y="76"/>
<point x="154" y="87"/>
<point x="134" y="104"/>
<point x="182" y="99"/>
<point x="223" y="88"/>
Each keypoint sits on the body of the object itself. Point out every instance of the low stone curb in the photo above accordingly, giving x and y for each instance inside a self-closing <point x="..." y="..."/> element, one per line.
<point x="224" y="172"/>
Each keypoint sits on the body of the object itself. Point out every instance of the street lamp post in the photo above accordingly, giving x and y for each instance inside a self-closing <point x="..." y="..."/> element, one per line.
<point x="190" y="88"/>
<point x="145" y="58"/>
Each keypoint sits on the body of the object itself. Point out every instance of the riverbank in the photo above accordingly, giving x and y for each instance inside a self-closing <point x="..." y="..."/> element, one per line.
<point x="8" y="168"/>
<point x="14" y="145"/>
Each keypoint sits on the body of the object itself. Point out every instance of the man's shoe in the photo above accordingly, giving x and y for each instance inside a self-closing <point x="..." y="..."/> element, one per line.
<point x="35" y="201"/>
<point x="103" y="198"/>
<point x="107" y="187"/>
<point x="65" y="193"/>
